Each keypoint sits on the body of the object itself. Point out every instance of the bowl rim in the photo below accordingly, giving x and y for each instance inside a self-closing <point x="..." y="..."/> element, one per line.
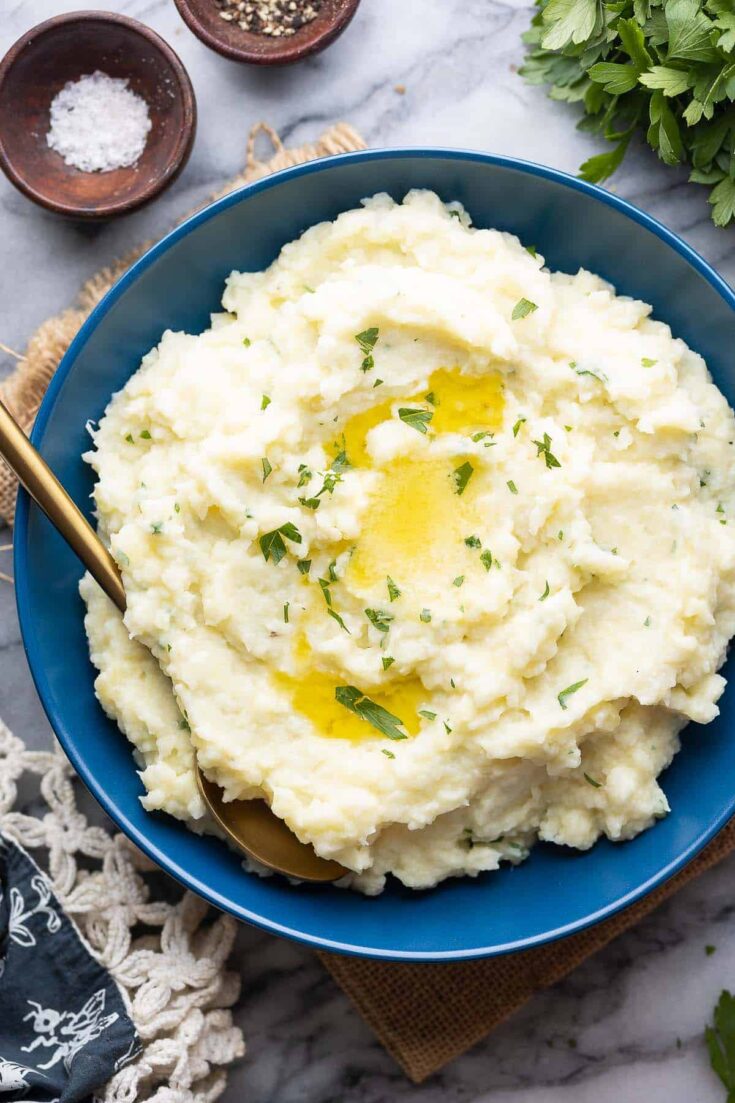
<point x="23" y="589"/>
<point x="185" y="138"/>
<point x="277" y="51"/>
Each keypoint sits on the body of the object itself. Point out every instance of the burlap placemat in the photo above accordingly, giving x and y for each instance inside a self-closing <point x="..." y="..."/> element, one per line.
<point x="425" y="1015"/>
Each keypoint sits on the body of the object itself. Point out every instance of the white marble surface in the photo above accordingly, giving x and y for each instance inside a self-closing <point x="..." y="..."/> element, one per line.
<point x="627" y="1025"/>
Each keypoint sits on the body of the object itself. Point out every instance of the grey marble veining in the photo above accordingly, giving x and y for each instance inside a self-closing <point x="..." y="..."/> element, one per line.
<point x="627" y="1025"/>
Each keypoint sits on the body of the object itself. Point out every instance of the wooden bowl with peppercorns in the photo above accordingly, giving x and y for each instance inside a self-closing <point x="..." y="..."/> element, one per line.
<point x="267" y="32"/>
<point x="97" y="114"/>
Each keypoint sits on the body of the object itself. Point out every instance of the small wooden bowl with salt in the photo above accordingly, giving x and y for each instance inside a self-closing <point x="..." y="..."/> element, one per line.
<point x="97" y="114"/>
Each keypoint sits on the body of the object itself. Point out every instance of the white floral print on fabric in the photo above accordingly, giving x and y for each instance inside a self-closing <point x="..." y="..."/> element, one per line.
<point x="64" y="1026"/>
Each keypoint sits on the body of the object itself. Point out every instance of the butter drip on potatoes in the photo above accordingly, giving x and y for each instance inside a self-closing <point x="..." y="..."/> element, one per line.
<point x="431" y="547"/>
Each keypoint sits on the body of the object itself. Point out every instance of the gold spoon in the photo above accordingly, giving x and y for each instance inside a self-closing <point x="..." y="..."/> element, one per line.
<point x="250" y="824"/>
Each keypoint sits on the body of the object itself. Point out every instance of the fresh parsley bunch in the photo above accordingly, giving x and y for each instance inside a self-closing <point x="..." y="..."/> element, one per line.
<point x="666" y="67"/>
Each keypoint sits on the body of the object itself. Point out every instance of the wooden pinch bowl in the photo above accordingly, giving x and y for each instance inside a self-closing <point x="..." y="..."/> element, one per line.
<point x="203" y="18"/>
<point x="64" y="49"/>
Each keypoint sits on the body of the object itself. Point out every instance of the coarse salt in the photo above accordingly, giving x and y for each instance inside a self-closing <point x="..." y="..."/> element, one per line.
<point x="98" y="123"/>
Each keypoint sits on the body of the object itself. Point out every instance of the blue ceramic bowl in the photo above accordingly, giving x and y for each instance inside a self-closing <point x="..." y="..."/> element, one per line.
<point x="176" y="284"/>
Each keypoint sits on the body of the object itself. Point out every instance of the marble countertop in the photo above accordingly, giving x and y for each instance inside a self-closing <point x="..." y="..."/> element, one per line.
<point x="628" y="1024"/>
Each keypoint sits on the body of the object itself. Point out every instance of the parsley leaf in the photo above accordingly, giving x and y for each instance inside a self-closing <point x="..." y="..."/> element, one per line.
<point x="265" y="402"/>
<point x="304" y="565"/>
<point x="524" y="307"/>
<point x="720" y="1038"/>
<point x="387" y="660"/>
<point x="472" y="541"/>
<point x="591" y="781"/>
<point x="543" y="448"/>
<point x="517" y="426"/>
<point x="379" y="619"/>
<point x="417" y="419"/>
<point x="385" y="722"/>
<point x="546" y="592"/>
<point x="393" y="591"/>
<point x="272" y="545"/>
<point x="462" y="475"/>
<point x="562" y="697"/>
<point x="425" y="615"/>
<point x="367" y="341"/>
<point x="487" y="559"/>
<point x="266" y="467"/>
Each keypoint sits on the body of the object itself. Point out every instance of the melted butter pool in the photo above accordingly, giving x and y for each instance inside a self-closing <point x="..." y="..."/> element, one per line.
<point x="415" y="524"/>
<point x="313" y="696"/>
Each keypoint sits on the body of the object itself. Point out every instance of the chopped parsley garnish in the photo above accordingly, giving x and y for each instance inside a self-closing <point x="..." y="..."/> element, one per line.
<point x="145" y="435"/>
<point x="472" y="541"/>
<point x="246" y="342"/>
<point x="427" y="714"/>
<point x="335" y="616"/>
<point x="184" y="725"/>
<point x="560" y="534"/>
<point x="431" y="398"/>
<point x="272" y="545"/>
<point x="324" y="583"/>
<point x="647" y="622"/>
<point x="512" y="486"/>
<point x="379" y="619"/>
<point x="599" y="376"/>
<point x="387" y="753"/>
<point x="458" y="581"/>
<point x="367" y="341"/>
<point x="377" y="383"/>
<point x="157" y="528"/>
<point x="387" y="660"/>
<point x="591" y="781"/>
<point x="517" y="426"/>
<point x="647" y="362"/>
<point x="522" y="309"/>
<point x="546" y="592"/>
<point x="304" y="476"/>
<point x="304" y="565"/>
<point x="267" y="468"/>
<point x="530" y="249"/>
<point x="129" y="438"/>
<point x="425" y="615"/>
<point x="393" y="591"/>
<point x="385" y="722"/>
<point x="447" y="727"/>
<point x="543" y="448"/>
<point x="462" y="475"/>
<point x="285" y="611"/>
<point x="720" y="508"/>
<point x="416" y="418"/>
<point x="477" y="437"/>
<point x="487" y="559"/>
<point x="709" y="950"/>
<point x="177" y="507"/>
<point x="310" y="503"/>
<point x="265" y="402"/>
<point x="562" y="697"/>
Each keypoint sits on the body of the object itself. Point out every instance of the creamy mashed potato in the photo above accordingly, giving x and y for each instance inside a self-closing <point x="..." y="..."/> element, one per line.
<point x="432" y="547"/>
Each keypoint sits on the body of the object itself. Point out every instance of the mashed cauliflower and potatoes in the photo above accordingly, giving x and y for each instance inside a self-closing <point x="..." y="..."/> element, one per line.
<point x="428" y="545"/>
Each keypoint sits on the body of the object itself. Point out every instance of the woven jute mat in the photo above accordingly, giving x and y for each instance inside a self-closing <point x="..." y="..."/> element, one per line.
<point x="425" y="1015"/>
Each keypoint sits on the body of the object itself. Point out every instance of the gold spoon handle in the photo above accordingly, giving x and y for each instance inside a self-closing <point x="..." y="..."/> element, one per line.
<point x="48" y="493"/>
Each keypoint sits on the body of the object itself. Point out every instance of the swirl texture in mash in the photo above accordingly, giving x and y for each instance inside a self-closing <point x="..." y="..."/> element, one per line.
<point x="431" y="546"/>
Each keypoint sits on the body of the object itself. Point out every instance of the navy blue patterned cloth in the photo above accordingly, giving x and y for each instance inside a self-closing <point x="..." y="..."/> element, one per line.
<point x="64" y="1029"/>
